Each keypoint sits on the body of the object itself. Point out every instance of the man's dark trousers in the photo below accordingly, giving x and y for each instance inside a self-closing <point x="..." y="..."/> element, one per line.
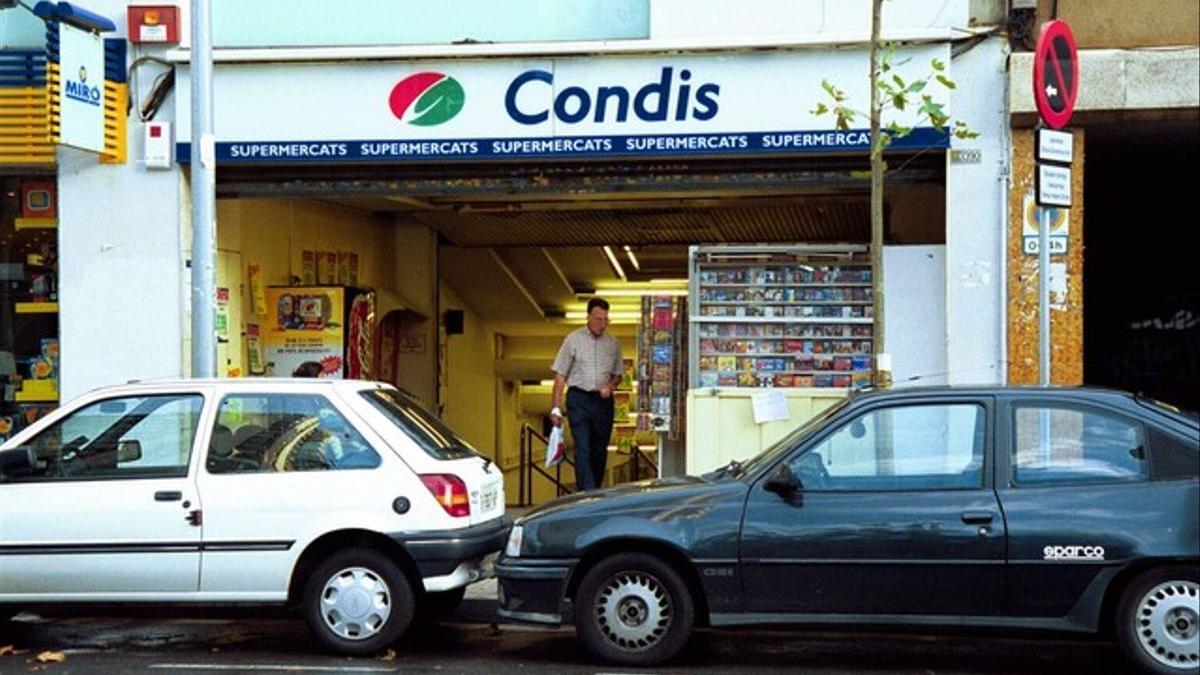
<point x="591" y="419"/>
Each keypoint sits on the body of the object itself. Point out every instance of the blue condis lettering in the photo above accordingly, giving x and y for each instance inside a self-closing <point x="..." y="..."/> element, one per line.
<point x="706" y="101"/>
<point x="560" y="104"/>
<point x="510" y="97"/>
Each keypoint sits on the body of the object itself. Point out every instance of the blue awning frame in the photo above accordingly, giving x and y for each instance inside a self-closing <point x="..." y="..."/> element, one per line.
<point x="73" y="15"/>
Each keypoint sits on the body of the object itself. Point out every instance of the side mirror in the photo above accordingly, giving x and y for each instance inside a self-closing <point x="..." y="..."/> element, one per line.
<point x="17" y="462"/>
<point x="783" y="482"/>
<point x="129" y="451"/>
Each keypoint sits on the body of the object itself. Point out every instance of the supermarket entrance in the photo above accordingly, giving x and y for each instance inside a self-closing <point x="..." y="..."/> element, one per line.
<point x="521" y="248"/>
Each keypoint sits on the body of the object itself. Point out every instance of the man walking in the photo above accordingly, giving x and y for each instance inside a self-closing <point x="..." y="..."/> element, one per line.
<point x="589" y="364"/>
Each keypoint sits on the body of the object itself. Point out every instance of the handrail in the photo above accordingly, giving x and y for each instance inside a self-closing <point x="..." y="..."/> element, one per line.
<point x="528" y="466"/>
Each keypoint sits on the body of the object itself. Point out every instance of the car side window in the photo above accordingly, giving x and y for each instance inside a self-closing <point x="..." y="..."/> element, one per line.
<point x="1068" y="445"/>
<point x="278" y="433"/>
<point x="129" y="437"/>
<point x="914" y="447"/>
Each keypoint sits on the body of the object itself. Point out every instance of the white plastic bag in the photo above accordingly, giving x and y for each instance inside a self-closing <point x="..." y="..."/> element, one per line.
<point x="555" y="447"/>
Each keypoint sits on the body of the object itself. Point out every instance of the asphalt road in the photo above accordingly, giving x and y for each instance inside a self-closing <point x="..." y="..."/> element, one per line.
<point x="227" y="641"/>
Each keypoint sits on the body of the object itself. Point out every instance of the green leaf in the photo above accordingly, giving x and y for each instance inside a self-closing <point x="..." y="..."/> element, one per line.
<point x="899" y="81"/>
<point x="898" y="101"/>
<point x="946" y="82"/>
<point x="885" y="87"/>
<point x="937" y="65"/>
<point x="820" y="109"/>
<point x="439" y="103"/>
<point x="828" y="88"/>
<point x="917" y="86"/>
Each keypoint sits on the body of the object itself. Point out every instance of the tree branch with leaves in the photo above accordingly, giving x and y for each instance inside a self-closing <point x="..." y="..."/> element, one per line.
<point x="890" y="92"/>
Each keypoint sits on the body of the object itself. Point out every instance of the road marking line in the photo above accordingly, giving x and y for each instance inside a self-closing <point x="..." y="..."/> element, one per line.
<point x="294" y="668"/>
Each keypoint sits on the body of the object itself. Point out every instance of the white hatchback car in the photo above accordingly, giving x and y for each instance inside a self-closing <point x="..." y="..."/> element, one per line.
<point x="345" y="497"/>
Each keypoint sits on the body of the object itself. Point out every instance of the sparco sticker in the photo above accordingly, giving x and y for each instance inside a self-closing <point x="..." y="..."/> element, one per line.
<point x="1073" y="553"/>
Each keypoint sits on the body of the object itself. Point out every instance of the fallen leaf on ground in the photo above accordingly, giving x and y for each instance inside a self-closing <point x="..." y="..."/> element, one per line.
<point x="389" y="655"/>
<point x="9" y="650"/>
<point x="51" y="657"/>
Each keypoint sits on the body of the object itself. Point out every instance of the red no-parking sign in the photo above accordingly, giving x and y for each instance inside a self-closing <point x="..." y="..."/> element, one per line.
<point x="1055" y="73"/>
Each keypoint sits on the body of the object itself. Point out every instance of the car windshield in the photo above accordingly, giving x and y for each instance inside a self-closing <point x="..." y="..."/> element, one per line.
<point x="782" y="446"/>
<point x="429" y="432"/>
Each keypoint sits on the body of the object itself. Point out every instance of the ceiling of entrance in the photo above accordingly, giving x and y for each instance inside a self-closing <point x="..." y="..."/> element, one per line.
<point x="523" y="244"/>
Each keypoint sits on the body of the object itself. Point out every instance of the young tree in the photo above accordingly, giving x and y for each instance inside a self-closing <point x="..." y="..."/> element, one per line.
<point x="889" y="91"/>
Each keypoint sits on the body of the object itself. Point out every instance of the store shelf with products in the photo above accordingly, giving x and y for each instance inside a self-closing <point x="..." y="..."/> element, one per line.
<point x="29" y="352"/>
<point x="781" y="316"/>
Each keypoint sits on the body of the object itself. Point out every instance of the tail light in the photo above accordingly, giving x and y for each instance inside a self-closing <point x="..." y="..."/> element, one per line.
<point x="450" y="491"/>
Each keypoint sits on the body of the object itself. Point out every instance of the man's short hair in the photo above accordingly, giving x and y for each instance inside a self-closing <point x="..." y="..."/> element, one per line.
<point x="597" y="302"/>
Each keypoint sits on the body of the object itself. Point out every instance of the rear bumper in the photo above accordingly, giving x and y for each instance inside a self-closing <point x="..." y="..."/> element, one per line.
<point x="440" y="553"/>
<point x="534" y="590"/>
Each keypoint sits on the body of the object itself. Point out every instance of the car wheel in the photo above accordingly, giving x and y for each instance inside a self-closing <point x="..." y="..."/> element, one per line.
<point x="633" y="609"/>
<point x="435" y="607"/>
<point x="358" y="601"/>
<point x="1158" y="620"/>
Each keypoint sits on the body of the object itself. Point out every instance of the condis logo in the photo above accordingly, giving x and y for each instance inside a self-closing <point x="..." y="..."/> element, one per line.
<point x="433" y="97"/>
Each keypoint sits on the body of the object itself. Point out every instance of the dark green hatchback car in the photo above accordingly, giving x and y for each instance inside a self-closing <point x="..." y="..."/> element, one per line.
<point x="1059" y="509"/>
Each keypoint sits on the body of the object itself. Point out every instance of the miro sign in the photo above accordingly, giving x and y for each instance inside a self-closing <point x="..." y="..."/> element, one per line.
<point x="709" y="105"/>
<point x="81" y="77"/>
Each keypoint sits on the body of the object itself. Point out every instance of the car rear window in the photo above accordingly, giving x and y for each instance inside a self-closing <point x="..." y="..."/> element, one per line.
<point x="429" y="432"/>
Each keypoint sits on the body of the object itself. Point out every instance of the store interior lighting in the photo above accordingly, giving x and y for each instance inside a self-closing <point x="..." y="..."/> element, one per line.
<point x="614" y="316"/>
<point x="632" y="258"/>
<point x="633" y="292"/>
<point x="616" y="264"/>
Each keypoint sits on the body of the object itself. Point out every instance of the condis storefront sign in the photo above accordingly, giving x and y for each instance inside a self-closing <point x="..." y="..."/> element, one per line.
<point x="570" y="107"/>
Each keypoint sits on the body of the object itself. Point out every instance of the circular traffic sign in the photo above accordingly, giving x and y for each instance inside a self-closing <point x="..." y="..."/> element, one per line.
<point x="1055" y="73"/>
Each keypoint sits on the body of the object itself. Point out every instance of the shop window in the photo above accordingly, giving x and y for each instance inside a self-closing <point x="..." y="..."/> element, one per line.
<point x="28" y="301"/>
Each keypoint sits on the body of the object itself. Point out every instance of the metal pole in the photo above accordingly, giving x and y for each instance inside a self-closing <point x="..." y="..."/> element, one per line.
<point x="1044" y="296"/>
<point x="204" y="197"/>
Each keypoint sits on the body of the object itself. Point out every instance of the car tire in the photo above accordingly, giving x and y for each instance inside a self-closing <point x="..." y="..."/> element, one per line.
<point x="438" y="606"/>
<point x="1158" y="620"/>
<point x="357" y="602"/>
<point x="633" y="609"/>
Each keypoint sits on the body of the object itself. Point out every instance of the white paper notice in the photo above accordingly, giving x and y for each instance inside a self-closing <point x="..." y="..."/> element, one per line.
<point x="770" y="406"/>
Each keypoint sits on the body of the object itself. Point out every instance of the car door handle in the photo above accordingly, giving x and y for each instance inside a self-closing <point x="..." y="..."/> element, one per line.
<point x="977" y="517"/>
<point x="168" y="496"/>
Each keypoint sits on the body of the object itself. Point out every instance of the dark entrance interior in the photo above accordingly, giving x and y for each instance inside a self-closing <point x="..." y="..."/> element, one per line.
<point x="1141" y="276"/>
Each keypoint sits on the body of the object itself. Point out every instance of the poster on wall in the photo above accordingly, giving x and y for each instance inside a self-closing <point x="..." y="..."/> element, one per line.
<point x="258" y="297"/>
<point x="222" y="320"/>
<point x="304" y="323"/>
<point x="254" y="352"/>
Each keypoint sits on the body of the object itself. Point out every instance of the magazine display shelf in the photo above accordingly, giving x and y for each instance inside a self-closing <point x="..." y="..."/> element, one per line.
<point x="780" y="316"/>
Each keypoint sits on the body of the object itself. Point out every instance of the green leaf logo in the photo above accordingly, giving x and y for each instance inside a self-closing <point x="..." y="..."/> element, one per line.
<point x="433" y="97"/>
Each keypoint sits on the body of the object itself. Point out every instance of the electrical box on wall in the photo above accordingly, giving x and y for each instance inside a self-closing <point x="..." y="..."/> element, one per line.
<point x="157" y="146"/>
<point x="154" y="24"/>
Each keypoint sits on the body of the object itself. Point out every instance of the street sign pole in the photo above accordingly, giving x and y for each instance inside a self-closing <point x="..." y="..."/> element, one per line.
<point x="204" y="225"/>
<point x="1055" y="90"/>
<point x="1043" y="296"/>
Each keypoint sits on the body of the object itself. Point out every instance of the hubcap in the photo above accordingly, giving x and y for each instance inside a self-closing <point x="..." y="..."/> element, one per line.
<point x="633" y="611"/>
<point x="356" y="603"/>
<point x="1168" y="624"/>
